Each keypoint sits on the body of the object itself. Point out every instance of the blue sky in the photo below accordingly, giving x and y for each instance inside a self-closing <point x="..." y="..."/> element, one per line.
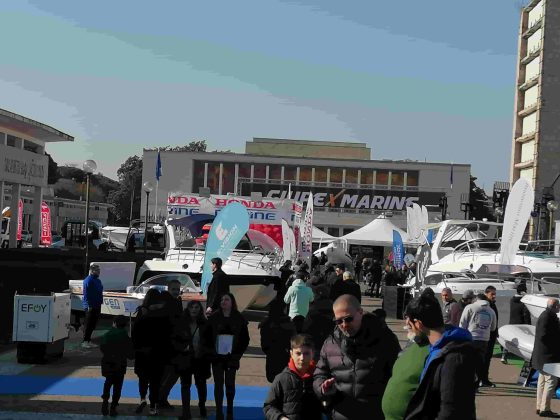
<point x="419" y="80"/>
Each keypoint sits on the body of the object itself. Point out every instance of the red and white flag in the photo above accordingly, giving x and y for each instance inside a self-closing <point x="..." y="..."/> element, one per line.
<point x="19" y="219"/>
<point x="46" y="235"/>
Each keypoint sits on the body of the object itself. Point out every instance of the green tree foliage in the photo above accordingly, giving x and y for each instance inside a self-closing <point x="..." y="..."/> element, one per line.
<point x="54" y="175"/>
<point x="480" y="206"/>
<point x="129" y="189"/>
<point x="193" y="146"/>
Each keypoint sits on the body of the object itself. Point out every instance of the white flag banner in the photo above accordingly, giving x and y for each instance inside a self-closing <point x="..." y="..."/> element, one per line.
<point x="518" y="211"/>
<point x="307" y="232"/>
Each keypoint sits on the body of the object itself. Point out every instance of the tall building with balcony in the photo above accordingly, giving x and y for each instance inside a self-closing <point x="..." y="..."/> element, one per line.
<point x="536" y="128"/>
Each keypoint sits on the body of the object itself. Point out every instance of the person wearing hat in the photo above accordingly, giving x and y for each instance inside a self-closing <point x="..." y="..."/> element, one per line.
<point x="92" y="301"/>
<point x="467" y="299"/>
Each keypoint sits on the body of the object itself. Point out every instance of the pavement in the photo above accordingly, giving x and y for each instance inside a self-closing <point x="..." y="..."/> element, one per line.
<point x="70" y="387"/>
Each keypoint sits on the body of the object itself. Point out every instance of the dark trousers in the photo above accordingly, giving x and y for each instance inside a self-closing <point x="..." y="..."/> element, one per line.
<point x="151" y="382"/>
<point x="298" y="321"/>
<point x="92" y="315"/>
<point x="223" y="375"/>
<point x="488" y="356"/>
<point x="115" y="381"/>
<point x="481" y="347"/>
<point x="200" y="383"/>
<point x="168" y="380"/>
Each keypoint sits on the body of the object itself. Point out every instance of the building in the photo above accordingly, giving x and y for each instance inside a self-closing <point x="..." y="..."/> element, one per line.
<point x="348" y="192"/>
<point x="23" y="164"/>
<point x="536" y="131"/>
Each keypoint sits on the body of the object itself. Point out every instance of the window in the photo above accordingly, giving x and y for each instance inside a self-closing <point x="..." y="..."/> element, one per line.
<point x="198" y="176"/>
<point x="320" y="174"/>
<point x="290" y="173"/>
<point x="214" y="177"/>
<point x="412" y="179"/>
<point x="382" y="178"/>
<point x="397" y="178"/>
<point x="336" y="175"/>
<point x="351" y="176"/>
<point x="305" y="173"/>
<point x="259" y="171"/>
<point x="275" y="172"/>
<point x="333" y="231"/>
<point x="11" y="141"/>
<point x="244" y="170"/>
<point x="367" y="177"/>
<point x="228" y="178"/>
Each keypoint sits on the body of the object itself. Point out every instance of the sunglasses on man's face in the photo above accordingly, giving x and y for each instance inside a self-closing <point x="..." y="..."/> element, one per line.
<point x="346" y="320"/>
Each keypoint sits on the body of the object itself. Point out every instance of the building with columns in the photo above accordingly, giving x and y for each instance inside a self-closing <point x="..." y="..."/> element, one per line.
<point x="24" y="165"/>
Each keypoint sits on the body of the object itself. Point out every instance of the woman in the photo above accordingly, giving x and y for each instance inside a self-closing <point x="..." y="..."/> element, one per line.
<point x="225" y="340"/>
<point x="199" y="366"/>
<point x="151" y="336"/>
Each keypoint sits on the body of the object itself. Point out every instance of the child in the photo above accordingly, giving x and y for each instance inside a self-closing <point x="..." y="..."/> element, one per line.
<point x="291" y="395"/>
<point x="116" y="347"/>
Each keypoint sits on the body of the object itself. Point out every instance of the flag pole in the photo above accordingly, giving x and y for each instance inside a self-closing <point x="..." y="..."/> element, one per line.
<point x="156" y="203"/>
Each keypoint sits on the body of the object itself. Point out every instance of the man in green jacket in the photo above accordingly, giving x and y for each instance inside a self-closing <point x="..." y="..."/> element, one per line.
<point x="406" y="373"/>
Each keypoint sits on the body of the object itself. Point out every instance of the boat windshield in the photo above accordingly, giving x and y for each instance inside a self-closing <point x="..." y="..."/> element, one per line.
<point x="185" y="239"/>
<point x="161" y="281"/>
<point x="455" y="235"/>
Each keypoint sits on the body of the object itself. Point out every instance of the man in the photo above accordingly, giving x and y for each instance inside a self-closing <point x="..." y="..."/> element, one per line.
<point x="547" y="350"/>
<point x="467" y="299"/>
<point x="480" y="319"/>
<point x="218" y="286"/>
<point x="337" y="281"/>
<point x="355" y="362"/>
<point x="376" y="276"/>
<point x="406" y="371"/>
<point x="451" y="309"/>
<point x="346" y="287"/>
<point x="93" y="298"/>
<point x="518" y="313"/>
<point x="298" y="297"/>
<point x="490" y="293"/>
<point x="447" y="388"/>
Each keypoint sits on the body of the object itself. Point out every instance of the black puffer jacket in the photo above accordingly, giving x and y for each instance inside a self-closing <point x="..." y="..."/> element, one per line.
<point x="361" y="366"/>
<point x="447" y="390"/>
<point x="518" y="312"/>
<point x="291" y="396"/>
<point x="547" y="340"/>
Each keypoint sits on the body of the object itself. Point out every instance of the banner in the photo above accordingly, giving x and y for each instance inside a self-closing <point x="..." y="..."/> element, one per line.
<point x="424" y="259"/>
<point x="307" y="232"/>
<point x="344" y="197"/>
<point x="265" y="211"/>
<point x="398" y="250"/>
<point x="289" y="242"/>
<point x="518" y="211"/>
<point x="19" y="219"/>
<point x="46" y="234"/>
<point x="227" y="230"/>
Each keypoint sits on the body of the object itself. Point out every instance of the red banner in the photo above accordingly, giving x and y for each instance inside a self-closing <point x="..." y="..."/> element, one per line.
<point x="46" y="235"/>
<point x="19" y="219"/>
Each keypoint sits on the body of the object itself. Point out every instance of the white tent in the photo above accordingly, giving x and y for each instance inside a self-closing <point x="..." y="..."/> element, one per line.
<point x="321" y="237"/>
<point x="378" y="232"/>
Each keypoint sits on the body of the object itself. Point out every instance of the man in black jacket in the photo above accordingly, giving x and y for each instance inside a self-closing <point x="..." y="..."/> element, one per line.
<point x="218" y="287"/>
<point x="547" y="350"/>
<point x="518" y="313"/>
<point x="490" y="293"/>
<point x="355" y="363"/>
<point x="447" y="383"/>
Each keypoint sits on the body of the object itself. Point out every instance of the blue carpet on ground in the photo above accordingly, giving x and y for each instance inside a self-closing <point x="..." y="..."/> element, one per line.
<point x="245" y="396"/>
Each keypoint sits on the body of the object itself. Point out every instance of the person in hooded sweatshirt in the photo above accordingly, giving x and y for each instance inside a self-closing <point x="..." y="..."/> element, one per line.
<point x="291" y="395"/>
<point x="480" y="319"/>
<point x="447" y="382"/>
<point x="518" y="313"/>
<point x="298" y="297"/>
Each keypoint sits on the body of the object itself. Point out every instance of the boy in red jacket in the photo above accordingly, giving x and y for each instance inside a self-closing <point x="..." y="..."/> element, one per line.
<point x="291" y="396"/>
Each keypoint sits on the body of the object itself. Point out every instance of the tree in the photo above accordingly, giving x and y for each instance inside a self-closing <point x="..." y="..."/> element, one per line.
<point x="479" y="203"/>
<point x="54" y="174"/>
<point x="193" y="146"/>
<point x="130" y="180"/>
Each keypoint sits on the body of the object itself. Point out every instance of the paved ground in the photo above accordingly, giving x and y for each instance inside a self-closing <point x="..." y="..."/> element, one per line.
<point x="70" y="387"/>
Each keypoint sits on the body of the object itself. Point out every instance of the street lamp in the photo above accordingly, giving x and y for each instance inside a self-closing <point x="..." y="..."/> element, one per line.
<point x="89" y="167"/>
<point x="148" y="188"/>
<point x="498" y="212"/>
<point x="552" y="206"/>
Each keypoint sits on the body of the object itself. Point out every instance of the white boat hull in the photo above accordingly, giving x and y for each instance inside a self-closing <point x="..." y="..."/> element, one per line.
<point x="518" y="339"/>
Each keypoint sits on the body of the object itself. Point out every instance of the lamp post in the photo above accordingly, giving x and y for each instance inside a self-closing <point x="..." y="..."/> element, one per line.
<point x="498" y="212"/>
<point x="89" y="167"/>
<point x="148" y="188"/>
<point x="552" y="206"/>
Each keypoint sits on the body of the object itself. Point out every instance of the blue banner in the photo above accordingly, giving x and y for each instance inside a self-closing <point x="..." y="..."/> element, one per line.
<point x="228" y="228"/>
<point x="398" y="250"/>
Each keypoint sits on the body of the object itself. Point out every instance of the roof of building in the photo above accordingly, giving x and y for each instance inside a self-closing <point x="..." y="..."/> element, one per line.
<point x="32" y="128"/>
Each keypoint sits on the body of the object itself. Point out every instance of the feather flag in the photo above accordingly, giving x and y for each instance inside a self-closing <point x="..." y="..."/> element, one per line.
<point x="159" y="171"/>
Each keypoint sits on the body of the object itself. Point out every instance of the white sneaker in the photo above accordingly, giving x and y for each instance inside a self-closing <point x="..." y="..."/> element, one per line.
<point x="88" y="345"/>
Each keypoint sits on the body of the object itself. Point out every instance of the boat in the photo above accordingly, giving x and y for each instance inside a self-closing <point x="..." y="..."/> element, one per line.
<point x="536" y="302"/>
<point x="518" y="339"/>
<point x="126" y="302"/>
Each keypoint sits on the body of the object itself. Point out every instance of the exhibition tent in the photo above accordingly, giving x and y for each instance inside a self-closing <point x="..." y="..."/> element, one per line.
<point x="378" y="232"/>
<point x="321" y="237"/>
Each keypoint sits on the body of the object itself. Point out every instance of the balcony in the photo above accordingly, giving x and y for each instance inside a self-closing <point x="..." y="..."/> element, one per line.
<point x="533" y="29"/>
<point x="529" y="110"/>
<point x="529" y="83"/>
<point x="526" y="137"/>
<point x="524" y="165"/>
<point x="531" y="56"/>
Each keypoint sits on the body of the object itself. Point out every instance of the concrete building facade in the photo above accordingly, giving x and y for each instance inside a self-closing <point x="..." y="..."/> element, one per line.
<point x="348" y="193"/>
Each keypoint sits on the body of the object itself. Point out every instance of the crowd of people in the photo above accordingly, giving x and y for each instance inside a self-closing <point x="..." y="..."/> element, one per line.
<point x="325" y="356"/>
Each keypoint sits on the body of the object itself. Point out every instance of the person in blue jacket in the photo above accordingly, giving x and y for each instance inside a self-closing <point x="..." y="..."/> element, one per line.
<point x="93" y="298"/>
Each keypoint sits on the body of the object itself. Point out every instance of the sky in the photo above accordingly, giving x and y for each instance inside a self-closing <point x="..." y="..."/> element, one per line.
<point x="414" y="80"/>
